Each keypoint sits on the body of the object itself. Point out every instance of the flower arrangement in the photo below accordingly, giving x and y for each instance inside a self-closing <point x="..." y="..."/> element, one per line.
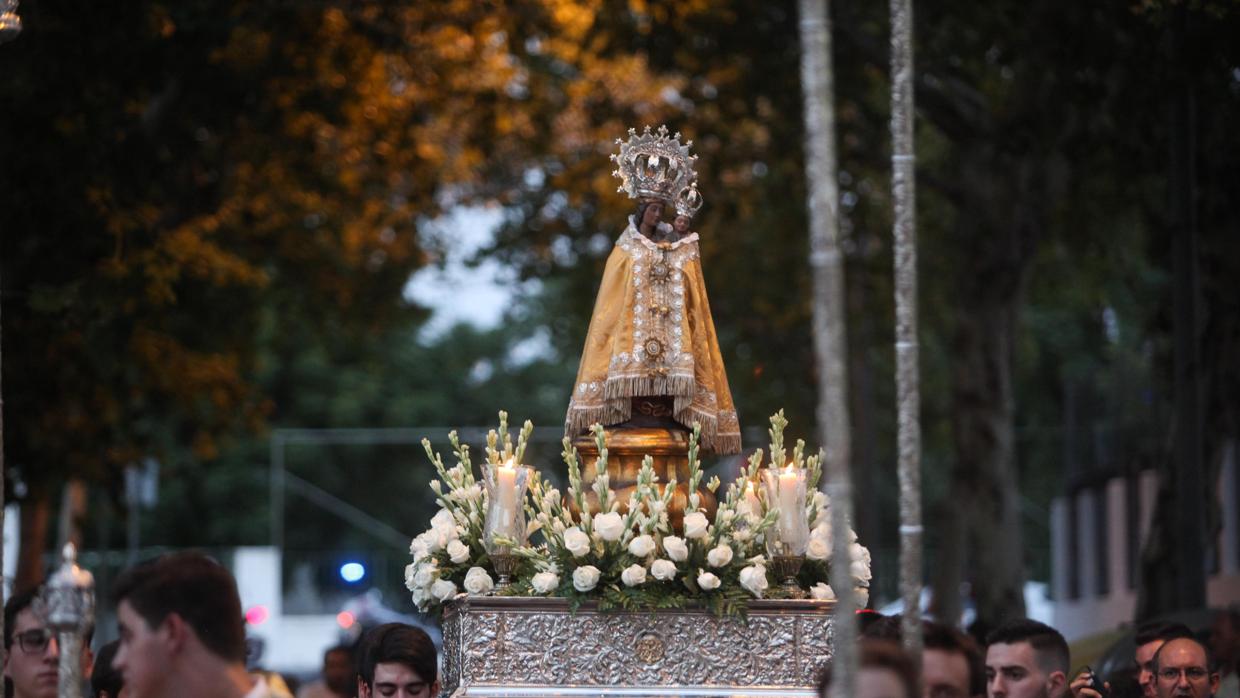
<point x="625" y="554"/>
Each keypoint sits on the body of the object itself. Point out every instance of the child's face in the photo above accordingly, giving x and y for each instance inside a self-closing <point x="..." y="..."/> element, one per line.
<point x="681" y="224"/>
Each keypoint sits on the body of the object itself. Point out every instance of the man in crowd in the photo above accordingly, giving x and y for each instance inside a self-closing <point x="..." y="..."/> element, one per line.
<point x="1026" y="659"/>
<point x="337" y="675"/>
<point x="1225" y="647"/>
<point x="1149" y="638"/>
<point x="397" y="661"/>
<point x="1183" y="669"/>
<point x="182" y="634"/>
<point x="32" y="654"/>
<point x="105" y="680"/>
<point x="884" y="670"/>
<point x="951" y="663"/>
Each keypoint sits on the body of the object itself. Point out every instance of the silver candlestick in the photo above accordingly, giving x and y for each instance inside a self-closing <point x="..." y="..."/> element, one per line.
<point x="70" y="604"/>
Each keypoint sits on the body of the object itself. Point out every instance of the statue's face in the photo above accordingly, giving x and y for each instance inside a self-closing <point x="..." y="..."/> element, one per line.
<point x="652" y="215"/>
<point x="681" y="224"/>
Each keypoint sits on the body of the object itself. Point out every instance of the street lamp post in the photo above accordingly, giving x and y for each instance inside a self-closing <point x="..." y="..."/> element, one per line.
<point x="70" y="603"/>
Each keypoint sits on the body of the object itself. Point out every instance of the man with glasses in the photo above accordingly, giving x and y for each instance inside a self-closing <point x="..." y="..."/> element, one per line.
<point x="1182" y="669"/>
<point x="32" y="655"/>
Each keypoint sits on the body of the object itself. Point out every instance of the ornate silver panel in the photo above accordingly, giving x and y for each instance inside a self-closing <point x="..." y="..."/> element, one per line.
<point x="519" y="646"/>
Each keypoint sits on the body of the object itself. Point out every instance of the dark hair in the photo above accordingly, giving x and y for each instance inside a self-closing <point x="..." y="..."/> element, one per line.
<point x="880" y="654"/>
<point x="196" y="588"/>
<point x="104" y="677"/>
<point x="936" y="636"/>
<point x="1211" y="665"/>
<point x="397" y="643"/>
<point x="1048" y="644"/>
<point x="1160" y="630"/>
<point x="347" y="649"/>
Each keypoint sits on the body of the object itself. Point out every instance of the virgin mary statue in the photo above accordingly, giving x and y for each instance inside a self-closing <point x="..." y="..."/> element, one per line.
<point x="651" y="347"/>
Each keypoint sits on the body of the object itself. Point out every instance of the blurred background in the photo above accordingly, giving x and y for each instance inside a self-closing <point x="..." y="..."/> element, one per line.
<point x="254" y="251"/>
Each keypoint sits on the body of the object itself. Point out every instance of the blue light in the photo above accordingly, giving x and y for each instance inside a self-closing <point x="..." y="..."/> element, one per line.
<point x="352" y="572"/>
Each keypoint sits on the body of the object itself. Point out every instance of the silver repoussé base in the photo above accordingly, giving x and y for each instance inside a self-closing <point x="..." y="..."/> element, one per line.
<point x="523" y="646"/>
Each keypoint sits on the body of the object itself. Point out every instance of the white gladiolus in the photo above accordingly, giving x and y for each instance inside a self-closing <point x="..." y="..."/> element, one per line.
<point x="585" y="578"/>
<point x="545" y="582"/>
<point x="822" y="592"/>
<point x="676" y="548"/>
<point x="458" y="552"/>
<point x="609" y="526"/>
<point x="753" y="578"/>
<point x="633" y="575"/>
<point x="695" y="525"/>
<point x="477" y="581"/>
<point x="641" y="546"/>
<point x="707" y="580"/>
<point x="576" y="541"/>
<point x="663" y="570"/>
<point x="818" y="549"/>
<point x="719" y="556"/>
<point x="443" y="590"/>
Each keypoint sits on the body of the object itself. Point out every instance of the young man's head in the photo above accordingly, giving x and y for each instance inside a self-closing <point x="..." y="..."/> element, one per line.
<point x="176" y="613"/>
<point x="338" y="670"/>
<point x="105" y="680"/>
<point x="951" y="662"/>
<point x="1026" y="659"/>
<point x="1183" y="668"/>
<point x="397" y="661"/>
<point x="32" y="654"/>
<point x="1150" y="637"/>
<point x="884" y="670"/>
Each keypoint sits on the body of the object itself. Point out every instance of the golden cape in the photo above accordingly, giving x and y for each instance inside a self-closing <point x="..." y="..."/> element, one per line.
<point x="651" y="334"/>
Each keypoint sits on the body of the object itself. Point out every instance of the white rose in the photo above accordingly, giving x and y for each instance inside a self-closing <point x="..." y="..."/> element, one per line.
<point x="421" y="597"/>
<point x="753" y="578"/>
<point x="860" y="571"/>
<point x="641" y="546"/>
<point x="818" y="549"/>
<point x="822" y="592"/>
<point x="425" y="574"/>
<point x="576" y="541"/>
<point x="418" y="548"/>
<point x="409" y="571"/>
<point x="434" y="542"/>
<point x="609" y="526"/>
<point x="442" y="518"/>
<point x="477" y="581"/>
<point x="822" y="532"/>
<point x="719" y="555"/>
<point x="707" y="580"/>
<point x="545" y="582"/>
<point x="585" y="578"/>
<point x="695" y="525"/>
<point x="633" y="575"/>
<point x="861" y="595"/>
<point x="458" y="552"/>
<point x="676" y="548"/>
<point x="663" y="570"/>
<point x="443" y="590"/>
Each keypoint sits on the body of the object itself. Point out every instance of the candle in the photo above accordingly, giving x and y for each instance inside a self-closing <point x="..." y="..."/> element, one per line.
<point x="506" y="497"/>
<point x="789" y="508"/>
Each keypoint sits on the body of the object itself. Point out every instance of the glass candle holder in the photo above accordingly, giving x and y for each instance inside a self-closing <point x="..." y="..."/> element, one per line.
<point x="785" y="492"/>
<point x="504" y="527"/>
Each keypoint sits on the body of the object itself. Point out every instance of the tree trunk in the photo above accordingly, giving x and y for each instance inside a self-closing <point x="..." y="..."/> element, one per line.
<point x="984" y="478"/>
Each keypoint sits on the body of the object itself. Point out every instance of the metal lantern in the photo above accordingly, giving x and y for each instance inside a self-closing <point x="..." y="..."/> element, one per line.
<point x="10" y="21"/>
<point x="70" y="607"/>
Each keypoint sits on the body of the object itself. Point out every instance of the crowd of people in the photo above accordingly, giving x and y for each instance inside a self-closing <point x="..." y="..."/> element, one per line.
<point x="182" y="635"/>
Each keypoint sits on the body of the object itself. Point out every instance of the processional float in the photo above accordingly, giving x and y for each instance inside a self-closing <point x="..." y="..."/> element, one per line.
<point x="640" y="579"/>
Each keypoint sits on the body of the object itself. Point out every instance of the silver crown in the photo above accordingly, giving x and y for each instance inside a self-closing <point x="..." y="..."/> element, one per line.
<point x="688" y="201"/>
<point x="654" y="166"/>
